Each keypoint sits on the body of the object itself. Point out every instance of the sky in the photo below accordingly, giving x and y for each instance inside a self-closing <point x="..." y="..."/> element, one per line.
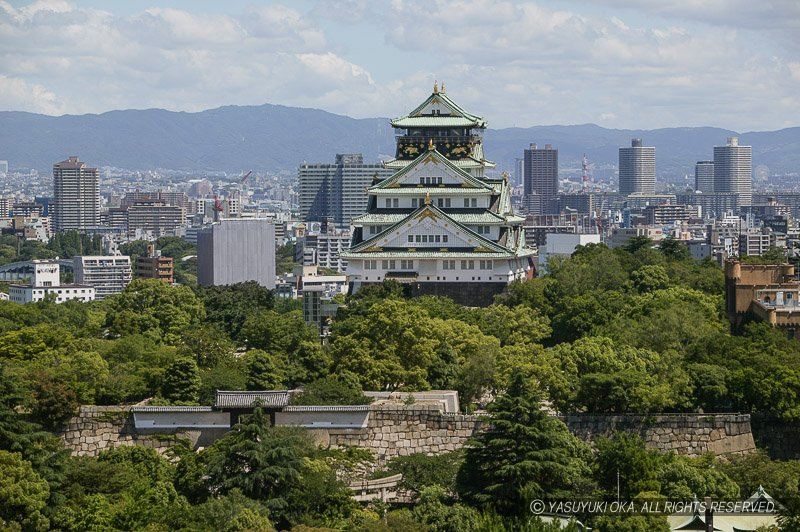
<point x="640" y="64"/>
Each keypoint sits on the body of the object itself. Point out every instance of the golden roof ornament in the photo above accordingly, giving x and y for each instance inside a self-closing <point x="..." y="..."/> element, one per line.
<point x="431" y="145"/>
<point x="435" y="87"/>
<point x="442" y="91"/>
<point x="427" y="198"/>
<point x="505" y="176"/>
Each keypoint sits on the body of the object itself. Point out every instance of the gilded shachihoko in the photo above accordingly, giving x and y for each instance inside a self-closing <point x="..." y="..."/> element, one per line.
<point x="439" y="224"/>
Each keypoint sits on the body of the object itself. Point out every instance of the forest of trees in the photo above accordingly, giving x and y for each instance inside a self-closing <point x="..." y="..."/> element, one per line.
<point x="635" y="329"/>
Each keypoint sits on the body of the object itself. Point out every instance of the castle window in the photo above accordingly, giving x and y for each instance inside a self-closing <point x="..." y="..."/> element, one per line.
<point x="388" y="203"/>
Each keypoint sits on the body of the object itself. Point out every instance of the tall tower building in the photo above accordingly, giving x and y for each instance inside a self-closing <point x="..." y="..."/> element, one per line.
<point x="439" y="225"/>
<point x="637" y="169"/>
<point x="733" y="170"/>
<point x="76" y="195"/>
<point x="541" y="175"/>
<point x="337" y="192"/>
<point x="704" y="177"/>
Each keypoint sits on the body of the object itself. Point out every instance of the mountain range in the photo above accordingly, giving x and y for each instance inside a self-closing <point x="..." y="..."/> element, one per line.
<point x="279" y="138"/>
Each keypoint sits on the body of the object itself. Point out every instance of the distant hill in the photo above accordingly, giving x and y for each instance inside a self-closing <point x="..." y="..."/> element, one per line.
<point x="275" y="137"/>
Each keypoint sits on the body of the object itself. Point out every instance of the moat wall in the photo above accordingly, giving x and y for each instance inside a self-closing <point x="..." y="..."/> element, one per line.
<point x="96" y="428"/>
<point x="399" y="430"/>
<point x="686" y="434"/>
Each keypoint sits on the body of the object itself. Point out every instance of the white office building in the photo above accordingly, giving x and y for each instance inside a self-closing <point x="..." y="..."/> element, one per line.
<point x="46" y="282"/>
<point x="108" y="274"/>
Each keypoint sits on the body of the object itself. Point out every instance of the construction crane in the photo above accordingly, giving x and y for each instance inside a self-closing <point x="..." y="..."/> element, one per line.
<point x="585" y="175"/>
<point x="217" y="207"/>
<point x="243" y="182"/>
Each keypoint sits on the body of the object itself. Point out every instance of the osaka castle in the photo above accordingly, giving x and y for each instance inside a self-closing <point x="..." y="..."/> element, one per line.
<point x="439" y="224"/>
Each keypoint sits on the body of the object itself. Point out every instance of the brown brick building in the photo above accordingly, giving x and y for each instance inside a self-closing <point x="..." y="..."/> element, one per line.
<point x="154" y="266"/>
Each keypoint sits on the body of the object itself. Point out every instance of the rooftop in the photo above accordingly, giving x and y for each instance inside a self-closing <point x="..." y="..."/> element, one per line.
<point x="244" y="399"/>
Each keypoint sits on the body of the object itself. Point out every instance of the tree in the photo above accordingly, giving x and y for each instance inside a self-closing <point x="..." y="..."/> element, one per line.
<point x="674" y="249"/>
<point x="181" y="383"/>
<point x="23" y="494"/>
<point x="264" y="371"/>
<point x="154" y="308"/>
<point x="332" y="390"/>
<point x="232" y="513"/>
<point x="54" y="401"/>
<point x="511" y="325"/>
<point x="599" y="375"/>
<point x="263" y="462"/>
<point x="649" y="278"/>
<point x="230" y="305"/>
<point x="277" y="333"/>
<point x="44" y="451"/>
<point x="523" y="454"/>
<point x="393" y="347"/>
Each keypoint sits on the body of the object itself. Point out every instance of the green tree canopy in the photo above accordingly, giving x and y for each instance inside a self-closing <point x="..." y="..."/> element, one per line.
<point x="523" y="454"/>
<point x="154" y="308"/>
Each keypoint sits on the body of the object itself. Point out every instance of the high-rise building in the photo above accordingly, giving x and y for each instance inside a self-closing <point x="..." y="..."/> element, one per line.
<point x="3" y="167"/>
<point x="439" y="225"/>
<point x="108" y="274"/>
<point x="733" y="170"/>
<point x="76" y="195"/>
<point x="541" y="175"/>
<point x="704" y="177"/>
<point x="337" y="192"/>
<point x="237" y="250"/>
<point x="637" y="169"/>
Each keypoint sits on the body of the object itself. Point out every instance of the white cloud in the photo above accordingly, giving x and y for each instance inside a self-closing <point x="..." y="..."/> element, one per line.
<point x="517" y="63"/>
<point x="22" y="96"/>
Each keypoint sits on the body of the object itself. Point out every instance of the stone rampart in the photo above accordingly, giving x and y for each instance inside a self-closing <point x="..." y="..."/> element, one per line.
<point x="96" y="428"/>
<point x="400" y="430"/>
<point x="686" y="434"/>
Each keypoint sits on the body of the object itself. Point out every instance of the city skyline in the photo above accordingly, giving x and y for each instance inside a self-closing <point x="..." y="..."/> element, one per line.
<point x="685" y="64"/>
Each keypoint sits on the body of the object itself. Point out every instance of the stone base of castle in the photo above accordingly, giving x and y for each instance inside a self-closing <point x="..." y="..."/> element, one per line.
<point x="478" y="294"/>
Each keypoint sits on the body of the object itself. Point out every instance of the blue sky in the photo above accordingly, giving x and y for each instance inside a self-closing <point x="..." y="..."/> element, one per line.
<point x="727" y="63"/>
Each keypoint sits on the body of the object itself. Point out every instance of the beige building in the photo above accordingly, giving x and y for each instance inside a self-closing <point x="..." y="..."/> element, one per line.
<point x="763" y="292"/>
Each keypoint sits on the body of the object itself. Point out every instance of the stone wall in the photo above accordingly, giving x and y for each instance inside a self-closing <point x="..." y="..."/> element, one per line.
<point x="686" y="434"/>
<point x="96" y="428"/>
<point x="400" y="430"/>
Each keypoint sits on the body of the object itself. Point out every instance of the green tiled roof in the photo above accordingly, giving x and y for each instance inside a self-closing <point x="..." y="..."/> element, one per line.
<point x="421" y="159"/>
<point x="434" y="121"/>
<point x="483" y="241"/>
<point x="469" y="162"/>
<point x="484" y="218"/>
<point x="434" y="191"/>
<point x="427" y="255"/>
<point x="455" y="109"/>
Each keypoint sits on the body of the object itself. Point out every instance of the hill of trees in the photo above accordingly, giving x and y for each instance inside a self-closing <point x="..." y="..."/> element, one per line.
<point x="636" y="329"/>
